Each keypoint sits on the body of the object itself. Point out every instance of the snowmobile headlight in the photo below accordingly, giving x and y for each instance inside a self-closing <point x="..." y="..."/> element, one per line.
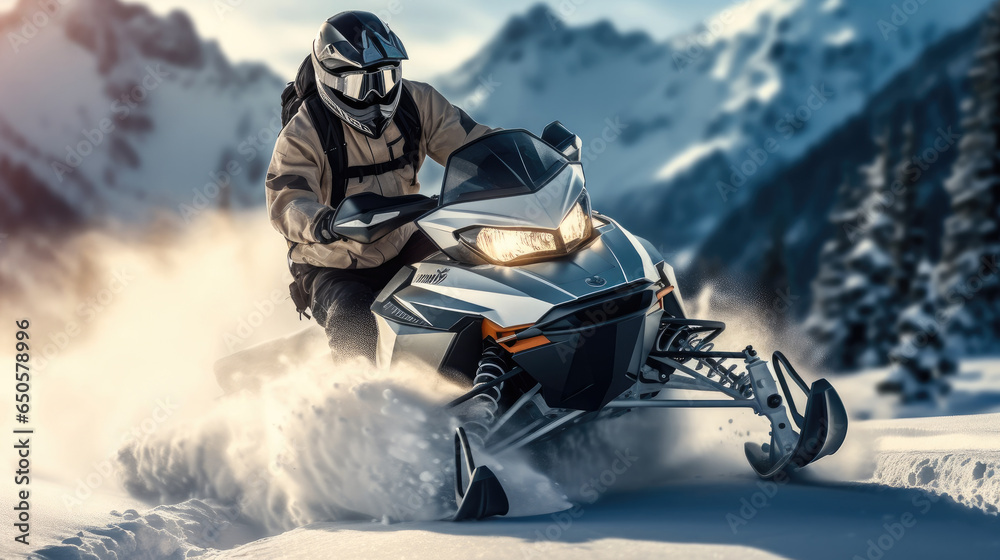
<point x="575" y="226"/>
<point x="507" y="245"/>
<point x="513" y="245"/>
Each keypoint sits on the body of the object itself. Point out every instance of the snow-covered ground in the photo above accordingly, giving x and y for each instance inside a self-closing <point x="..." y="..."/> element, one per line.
<point x="921" y="486"/>
<point x="906" y="508"/>
<point x="683" y="521"/>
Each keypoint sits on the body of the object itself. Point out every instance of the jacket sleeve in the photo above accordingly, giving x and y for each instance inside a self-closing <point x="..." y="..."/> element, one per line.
<point x="446" y="127"/>
<point x="293" y="184"/>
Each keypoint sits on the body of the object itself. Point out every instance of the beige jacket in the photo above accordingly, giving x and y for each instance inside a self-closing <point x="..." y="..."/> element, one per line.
<point x="299" y="177"/>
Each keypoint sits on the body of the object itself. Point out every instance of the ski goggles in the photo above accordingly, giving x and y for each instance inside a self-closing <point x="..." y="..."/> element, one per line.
<point x="357" y="85"/>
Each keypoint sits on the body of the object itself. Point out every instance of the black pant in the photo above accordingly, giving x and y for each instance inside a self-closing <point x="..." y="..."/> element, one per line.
<point x="342" y="298"/>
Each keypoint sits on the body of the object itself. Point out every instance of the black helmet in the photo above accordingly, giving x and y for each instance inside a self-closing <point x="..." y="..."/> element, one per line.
<point x="357" y="62"/>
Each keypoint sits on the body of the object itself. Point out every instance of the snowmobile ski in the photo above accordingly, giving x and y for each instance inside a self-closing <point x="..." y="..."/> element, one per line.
<point x="483" y="496"/>
<point x="823" y="429"/>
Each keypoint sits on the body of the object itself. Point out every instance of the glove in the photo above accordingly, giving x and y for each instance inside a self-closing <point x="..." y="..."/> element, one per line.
<point x="324" y="228"/>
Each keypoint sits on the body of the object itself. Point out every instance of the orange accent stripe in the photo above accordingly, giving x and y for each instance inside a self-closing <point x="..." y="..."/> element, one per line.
<point x="660" y="294"/>
<point x="496" y="332"/>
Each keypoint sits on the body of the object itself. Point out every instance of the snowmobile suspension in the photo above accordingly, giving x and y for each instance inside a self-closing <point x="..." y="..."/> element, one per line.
<point x="480" y="388"/>
<point x="483" y="401"/>
<point x="682" y="339"/>
<point x="491" y="367"/>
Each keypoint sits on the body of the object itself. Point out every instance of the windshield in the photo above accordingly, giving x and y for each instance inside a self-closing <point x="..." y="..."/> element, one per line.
<point x="500" y="164"/>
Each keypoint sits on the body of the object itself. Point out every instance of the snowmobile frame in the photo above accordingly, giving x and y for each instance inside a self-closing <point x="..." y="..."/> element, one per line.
<point x="821" y="428"/>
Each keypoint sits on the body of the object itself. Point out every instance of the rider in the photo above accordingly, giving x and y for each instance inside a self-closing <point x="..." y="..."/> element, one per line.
<point x="356" y="59"/>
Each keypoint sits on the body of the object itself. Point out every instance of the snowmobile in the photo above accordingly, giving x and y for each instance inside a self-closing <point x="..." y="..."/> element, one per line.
<point x="553" y="314"/>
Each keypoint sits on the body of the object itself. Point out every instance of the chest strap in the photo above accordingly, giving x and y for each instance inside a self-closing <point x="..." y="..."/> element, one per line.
<point x="361" y="171"/>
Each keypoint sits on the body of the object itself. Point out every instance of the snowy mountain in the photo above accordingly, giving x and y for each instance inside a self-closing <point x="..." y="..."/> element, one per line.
<point x="785" y="89"/>
<point x="661" y="120"/>
<point x="693" y="126"/>
<point x="797" y="199"/>
<point x="113" y="114"/>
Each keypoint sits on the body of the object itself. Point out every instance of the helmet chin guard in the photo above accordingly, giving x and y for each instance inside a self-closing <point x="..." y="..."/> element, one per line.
<point x="356" y="58"/>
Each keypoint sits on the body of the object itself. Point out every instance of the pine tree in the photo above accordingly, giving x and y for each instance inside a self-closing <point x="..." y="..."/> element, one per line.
<point x="922" y="359"/>
<point x="773" y="280"/>
<point x="869" y="300"/>
<point x="826" y="323"/>
<point x="909" y="236"/>
<point x="969" y="280"/>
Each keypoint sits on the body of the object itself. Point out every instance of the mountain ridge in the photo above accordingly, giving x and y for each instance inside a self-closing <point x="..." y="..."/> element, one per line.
<point x="685" y="125"/>
<point x="152" y="113"/>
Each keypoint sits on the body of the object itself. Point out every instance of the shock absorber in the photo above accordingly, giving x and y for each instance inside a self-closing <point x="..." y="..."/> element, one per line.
<point x="480" y="412"/>
<point x="691" y="335"/>
<point x="715" y="366"/>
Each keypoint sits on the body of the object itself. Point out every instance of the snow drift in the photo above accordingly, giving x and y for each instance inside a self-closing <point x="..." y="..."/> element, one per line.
<point x="321" y="444"/>
<point x="957" y="456"/>
<point x="318" y="444"/>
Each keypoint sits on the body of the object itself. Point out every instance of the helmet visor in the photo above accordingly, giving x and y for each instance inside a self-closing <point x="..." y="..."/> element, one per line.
<point x="357" y="85"/>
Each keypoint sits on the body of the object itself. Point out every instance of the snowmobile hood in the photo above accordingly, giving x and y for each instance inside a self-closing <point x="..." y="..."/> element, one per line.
<point x="523" y="294"/>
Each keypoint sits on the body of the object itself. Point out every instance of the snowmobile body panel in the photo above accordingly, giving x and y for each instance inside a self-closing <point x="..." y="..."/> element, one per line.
<point x="601" y="300"/>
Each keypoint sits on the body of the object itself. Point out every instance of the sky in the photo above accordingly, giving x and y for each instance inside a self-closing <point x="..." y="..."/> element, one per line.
<point x="438" y="35"/>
